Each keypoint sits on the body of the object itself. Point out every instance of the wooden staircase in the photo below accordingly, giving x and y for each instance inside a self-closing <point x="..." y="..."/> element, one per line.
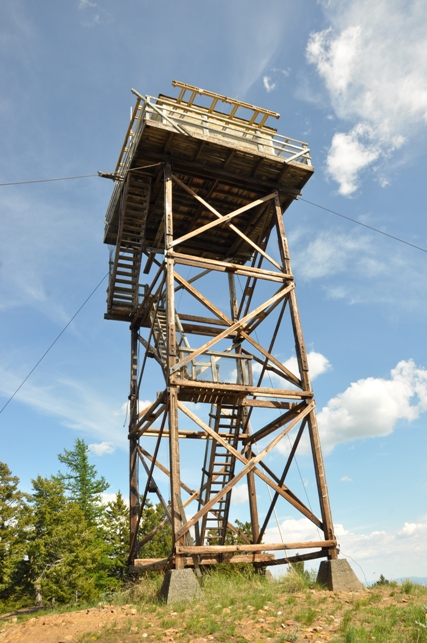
<point x="125" y="268"/>
<point x="159" y="326"/>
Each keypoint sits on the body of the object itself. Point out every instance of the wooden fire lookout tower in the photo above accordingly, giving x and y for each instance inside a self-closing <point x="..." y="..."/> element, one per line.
<point x="201" y="185"/>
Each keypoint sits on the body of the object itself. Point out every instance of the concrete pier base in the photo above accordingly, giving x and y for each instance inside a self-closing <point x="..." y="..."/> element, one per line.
<point x="338" y="576"/>
<point x="179" y="585"/>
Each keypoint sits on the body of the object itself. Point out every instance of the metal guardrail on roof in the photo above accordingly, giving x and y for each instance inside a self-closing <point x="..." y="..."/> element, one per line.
<point x="192" y="120"/>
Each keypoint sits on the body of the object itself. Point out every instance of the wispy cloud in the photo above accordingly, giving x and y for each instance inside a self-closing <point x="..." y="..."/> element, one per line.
<point x="252" y="51"/>
<point x="275" y="78"/>
<point x="85" y="4"/>
<point x="74" y="403"/>
<point x="370" y="276"/>
<point x="371" y="62"/>
<point x="95" y="14"/>
<point x="269" y="85"/>
<point x="41" y="247"/>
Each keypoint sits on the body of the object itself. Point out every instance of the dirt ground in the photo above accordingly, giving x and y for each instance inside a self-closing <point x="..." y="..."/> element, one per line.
<point x="315" y="616"/>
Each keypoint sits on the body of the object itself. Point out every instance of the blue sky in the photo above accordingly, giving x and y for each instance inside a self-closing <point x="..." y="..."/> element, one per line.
<point x="350" y="78"/>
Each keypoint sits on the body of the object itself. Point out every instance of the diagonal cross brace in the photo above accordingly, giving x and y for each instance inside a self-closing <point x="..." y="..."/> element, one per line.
<point x="230" y="225"/>
<point x="216" y="311"/>
<point x="249" y="466"/>
<point x="234" y="327"/>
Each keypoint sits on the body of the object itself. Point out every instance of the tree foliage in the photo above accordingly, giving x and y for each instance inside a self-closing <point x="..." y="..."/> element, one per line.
<point x="13" y="516"/>
<point x="115" y="525"/>
<point x="161" y="545"/>
<point x="61" y="543"/>
<point x="81" y="482"/>
<point x="67" y="559"/>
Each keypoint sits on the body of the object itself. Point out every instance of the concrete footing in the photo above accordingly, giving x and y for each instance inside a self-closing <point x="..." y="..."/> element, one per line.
<point x="179" y="585"/>
<point x="338" y="576"/>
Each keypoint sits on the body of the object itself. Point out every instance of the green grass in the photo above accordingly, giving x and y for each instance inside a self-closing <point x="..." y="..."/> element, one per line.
<point x="239" y="604"/>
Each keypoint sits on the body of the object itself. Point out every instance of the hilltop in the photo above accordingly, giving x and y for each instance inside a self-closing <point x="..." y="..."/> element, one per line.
<point x="236" y="609"/>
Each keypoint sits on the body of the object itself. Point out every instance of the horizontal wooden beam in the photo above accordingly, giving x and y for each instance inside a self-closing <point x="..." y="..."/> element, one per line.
<point x="221" y="549"/>
<point x="188" y="433"/>
<point x="142" y="565"/>
<point x="297" y="558"/>
<point x="226" y="266"/>
<point x="158" y="563"/>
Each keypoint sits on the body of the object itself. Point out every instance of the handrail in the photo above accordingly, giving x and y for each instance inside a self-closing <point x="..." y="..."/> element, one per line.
<point x="191" y="120"/>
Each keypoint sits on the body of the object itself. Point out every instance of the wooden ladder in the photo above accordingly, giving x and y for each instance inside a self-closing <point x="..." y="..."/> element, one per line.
<point x="218" y="470"/>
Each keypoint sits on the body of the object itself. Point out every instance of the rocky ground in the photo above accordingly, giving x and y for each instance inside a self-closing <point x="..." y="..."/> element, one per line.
<point x="382" y="614"/>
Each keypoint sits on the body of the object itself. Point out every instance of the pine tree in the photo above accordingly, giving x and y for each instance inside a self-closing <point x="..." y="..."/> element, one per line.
<point x="67" y="557"/>
<point x="115" y="527"/>
<point x="81" y="482"/>
<point x="13" y="513"/>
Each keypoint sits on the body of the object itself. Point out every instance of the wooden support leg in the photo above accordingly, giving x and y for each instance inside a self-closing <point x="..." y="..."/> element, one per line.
<point x="133" y="497"/>
<point x="175" y="480"/>
<point x="305" y="379"/>
<point x="133" y="448"/>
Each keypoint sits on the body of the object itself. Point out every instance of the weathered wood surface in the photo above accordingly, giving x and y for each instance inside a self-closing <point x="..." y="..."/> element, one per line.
<point x="213" y="204"/>
<point x="220" y="549"/>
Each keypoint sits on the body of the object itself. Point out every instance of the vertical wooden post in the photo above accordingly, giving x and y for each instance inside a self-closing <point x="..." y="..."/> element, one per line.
<point x="328" y="527"/>
<point x="175" y="470"/>
<point x="133" y="446"/>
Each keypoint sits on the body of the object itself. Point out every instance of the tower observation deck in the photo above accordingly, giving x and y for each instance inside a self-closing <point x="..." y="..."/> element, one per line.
<point x="201" y="186"/>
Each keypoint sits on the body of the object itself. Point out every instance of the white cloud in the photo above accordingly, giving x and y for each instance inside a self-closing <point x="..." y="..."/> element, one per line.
<point x="292" y="530"/>
<point x="331" y="253"/>
<point x="372" y="63"/>
<point x="395" y="554"/>
<point x="346" y="479"/>
<point x="240" y="494"/>
<point x="371" y="407"/>
<point x="101" y="448"/>
<point x="317" y="363"/>
<point x="268" y="84"/>
<point x="349" y="154"/>
<point x="398" y="553"/>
